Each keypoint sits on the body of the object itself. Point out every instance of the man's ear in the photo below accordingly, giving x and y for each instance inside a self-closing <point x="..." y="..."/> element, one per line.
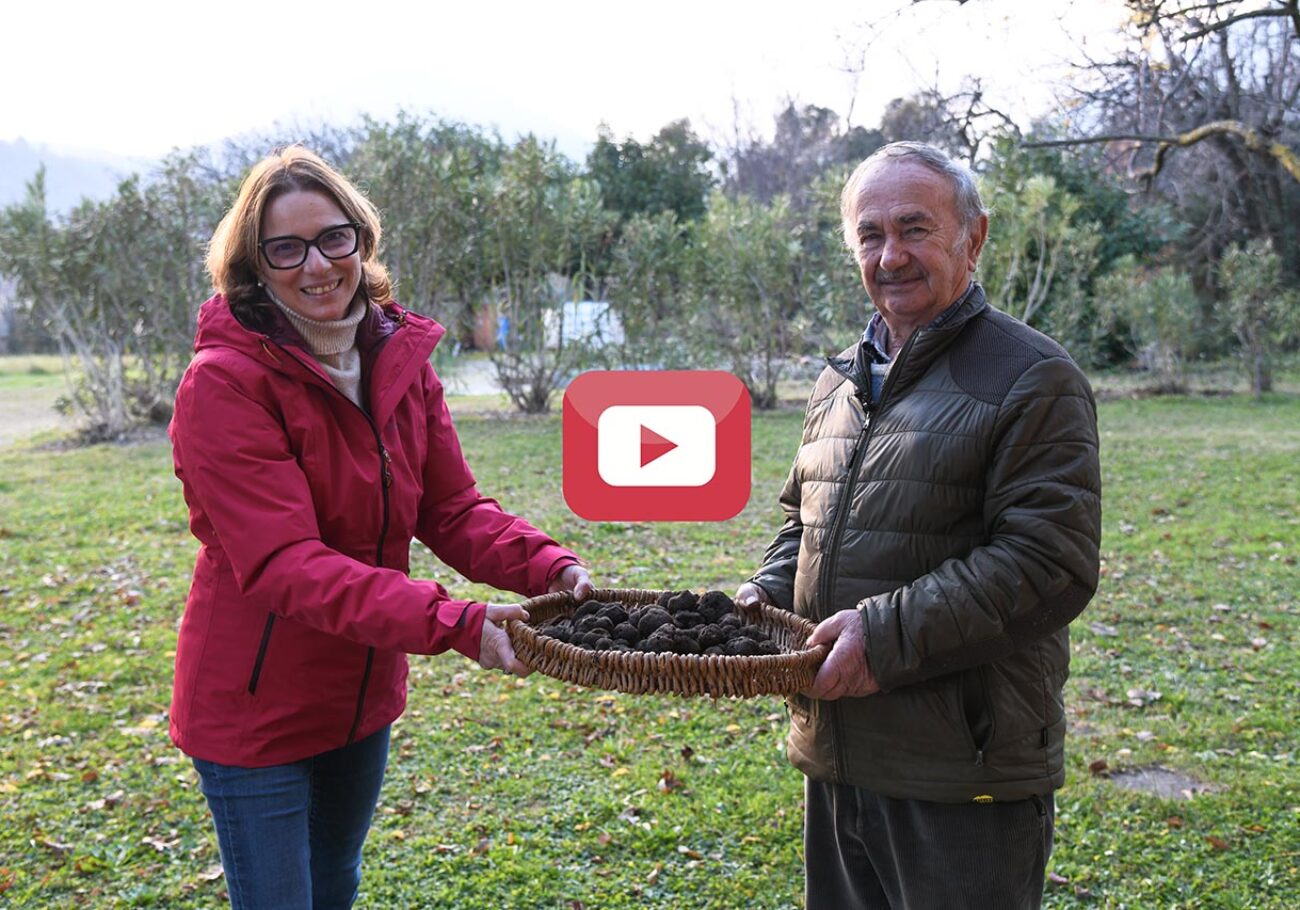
<point x="975" y="242"/>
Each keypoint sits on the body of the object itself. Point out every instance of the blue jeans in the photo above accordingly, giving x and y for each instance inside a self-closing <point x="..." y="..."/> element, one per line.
<point x="291" y="835"/>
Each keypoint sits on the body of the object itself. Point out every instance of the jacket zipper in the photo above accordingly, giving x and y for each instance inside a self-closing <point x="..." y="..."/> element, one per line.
<point x="384" y="461"/>
<point x="827" y="586"/>
<point x="261" y="654"/>
<point x="985" y="705"/>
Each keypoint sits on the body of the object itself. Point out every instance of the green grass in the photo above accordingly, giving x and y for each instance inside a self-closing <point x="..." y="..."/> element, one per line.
<point x="534" y="793"/>
<point x="30" y="371"/>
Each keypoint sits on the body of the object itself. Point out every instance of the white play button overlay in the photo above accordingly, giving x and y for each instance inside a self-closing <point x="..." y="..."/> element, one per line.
<point x="656" y="445"/>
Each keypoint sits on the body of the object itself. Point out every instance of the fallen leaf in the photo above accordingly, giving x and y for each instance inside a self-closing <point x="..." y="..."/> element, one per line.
<point x="687" y="851"/>
<point x="1139" y="697"/>
<point x="55" y="847"/>
<point x="212" y="873"/>
<point x="483" y="846"/>
<point x="654" y="873"/>
<point x="1217" y="843"/>
<point x="688" y="753"/>
<point x="1057" y="879"/>
<point x="669" y="782"/>
<point x="1099" y="768"/>
<point x="1174" y="821"/>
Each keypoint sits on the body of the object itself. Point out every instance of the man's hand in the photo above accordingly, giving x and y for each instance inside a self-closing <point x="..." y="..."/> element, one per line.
<point x="573" y="578"/>
<point x="845" y="671"/>
<point x="495" y="651"/>
<point x="749" y="595"/>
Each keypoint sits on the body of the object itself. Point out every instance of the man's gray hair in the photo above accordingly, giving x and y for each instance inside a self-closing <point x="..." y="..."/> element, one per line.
<point x="966" y="193"/>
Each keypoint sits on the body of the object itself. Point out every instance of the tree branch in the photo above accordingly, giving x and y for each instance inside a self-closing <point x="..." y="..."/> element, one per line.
<point x="1289" y="11"/>
<point x="1249" y="137"/>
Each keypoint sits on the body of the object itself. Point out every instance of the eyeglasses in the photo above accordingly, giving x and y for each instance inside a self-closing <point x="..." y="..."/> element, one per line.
<point x="289" y="252"/>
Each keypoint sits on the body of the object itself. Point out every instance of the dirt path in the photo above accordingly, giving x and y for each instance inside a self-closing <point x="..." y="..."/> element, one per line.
<point x="26" y="412"/>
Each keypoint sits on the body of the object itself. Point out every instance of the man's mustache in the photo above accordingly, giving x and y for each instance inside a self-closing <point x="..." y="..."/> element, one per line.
<point x="884" y="276"/>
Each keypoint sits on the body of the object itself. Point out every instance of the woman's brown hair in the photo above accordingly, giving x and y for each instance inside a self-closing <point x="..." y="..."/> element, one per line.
<point x="233" y="252"/>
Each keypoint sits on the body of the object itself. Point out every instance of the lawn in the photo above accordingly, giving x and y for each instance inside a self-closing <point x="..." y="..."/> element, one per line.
<point x="532" y="793"/>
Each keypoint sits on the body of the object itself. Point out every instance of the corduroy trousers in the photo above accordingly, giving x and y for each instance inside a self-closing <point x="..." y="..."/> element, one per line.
<point x="864" y="851"/>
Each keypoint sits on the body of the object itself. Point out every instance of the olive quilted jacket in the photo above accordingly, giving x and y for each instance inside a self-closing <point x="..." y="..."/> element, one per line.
<point x="961" y="515"/>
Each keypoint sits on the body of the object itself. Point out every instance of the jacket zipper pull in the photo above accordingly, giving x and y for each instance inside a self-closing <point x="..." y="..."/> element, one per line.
<point x="979" y="758"/>
<point x="388" y="459"/>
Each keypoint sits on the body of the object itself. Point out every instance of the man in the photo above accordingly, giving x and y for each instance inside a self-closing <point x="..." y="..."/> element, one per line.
<point x="942" y="524"/>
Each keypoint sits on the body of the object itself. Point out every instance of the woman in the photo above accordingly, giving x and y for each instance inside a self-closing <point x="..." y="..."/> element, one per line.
<point x="313" y="442"/>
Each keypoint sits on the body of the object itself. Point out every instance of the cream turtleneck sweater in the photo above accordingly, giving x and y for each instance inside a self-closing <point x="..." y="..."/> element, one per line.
<point x="334" y="345"/>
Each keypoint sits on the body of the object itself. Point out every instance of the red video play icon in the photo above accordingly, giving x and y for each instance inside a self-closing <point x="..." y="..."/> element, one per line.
<point x="653" y="445"/>
<point x="656" y="446"/>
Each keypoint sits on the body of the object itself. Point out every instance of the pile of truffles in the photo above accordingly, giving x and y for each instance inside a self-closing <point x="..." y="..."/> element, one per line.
<point x="682" y="622"/>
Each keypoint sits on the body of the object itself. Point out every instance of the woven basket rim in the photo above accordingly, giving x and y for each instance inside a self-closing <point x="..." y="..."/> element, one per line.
<point x="637" y="672"/>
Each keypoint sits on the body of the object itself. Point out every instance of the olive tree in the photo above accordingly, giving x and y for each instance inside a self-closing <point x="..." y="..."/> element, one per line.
<point x="547" y="227"/>
<point x="1156" y="311"/>
<point x="1263" y="312"/>
<point x="648" y="290"/>
<point x="117" y="282"/>
<point x="747" y="284"/>
<point x="430" y="179"/>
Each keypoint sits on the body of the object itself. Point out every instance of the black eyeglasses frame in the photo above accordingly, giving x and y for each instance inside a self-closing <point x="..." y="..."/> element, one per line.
<point x="308" y="244"/>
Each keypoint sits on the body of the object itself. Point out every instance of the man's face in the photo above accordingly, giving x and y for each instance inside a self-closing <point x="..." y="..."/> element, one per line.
<point x="914" y="256"/>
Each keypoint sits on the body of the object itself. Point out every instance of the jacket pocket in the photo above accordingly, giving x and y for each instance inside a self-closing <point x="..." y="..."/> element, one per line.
<point x="261" y="654"/>
<point x="977" y="711"/>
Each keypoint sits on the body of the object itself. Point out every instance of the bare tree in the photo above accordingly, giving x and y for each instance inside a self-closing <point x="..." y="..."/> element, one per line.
<point x="1202" y="108"/>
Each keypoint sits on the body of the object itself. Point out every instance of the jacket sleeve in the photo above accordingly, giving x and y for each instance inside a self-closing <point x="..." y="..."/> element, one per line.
<point x="471" y="532"/>
<point x="1039" y="566"/>
<point x="776" y="577"/>
<point x="248" y="494"/>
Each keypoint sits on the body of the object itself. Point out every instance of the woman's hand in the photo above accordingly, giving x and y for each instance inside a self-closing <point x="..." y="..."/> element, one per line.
<point x="573" y="577"/>
<point x="495" y="651"/>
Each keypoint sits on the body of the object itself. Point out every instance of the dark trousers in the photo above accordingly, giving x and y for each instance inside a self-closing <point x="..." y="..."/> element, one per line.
<point x="863" y="850"/>
<point x="291" y="835"/>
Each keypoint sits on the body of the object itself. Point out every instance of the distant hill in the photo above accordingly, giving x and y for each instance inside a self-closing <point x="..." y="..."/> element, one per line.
<point x="69" y="176"/>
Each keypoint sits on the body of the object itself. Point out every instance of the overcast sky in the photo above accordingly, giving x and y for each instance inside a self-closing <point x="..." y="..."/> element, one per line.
<point x="140" y="77"/>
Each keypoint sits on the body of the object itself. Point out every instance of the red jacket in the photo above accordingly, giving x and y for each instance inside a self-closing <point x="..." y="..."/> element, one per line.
<point x="301" y="612"/>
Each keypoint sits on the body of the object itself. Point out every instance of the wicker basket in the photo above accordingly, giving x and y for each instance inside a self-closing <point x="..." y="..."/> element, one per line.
<point x="639" y="672"/>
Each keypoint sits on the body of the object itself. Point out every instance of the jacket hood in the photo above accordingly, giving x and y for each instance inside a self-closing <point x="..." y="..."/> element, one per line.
<point x="401" y="339"/>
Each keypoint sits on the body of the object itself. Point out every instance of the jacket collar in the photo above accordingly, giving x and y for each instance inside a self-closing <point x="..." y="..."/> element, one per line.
<point x="920" y="350"/>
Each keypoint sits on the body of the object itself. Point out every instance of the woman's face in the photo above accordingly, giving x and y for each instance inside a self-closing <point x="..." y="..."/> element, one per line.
<point x="320" y="288"/>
